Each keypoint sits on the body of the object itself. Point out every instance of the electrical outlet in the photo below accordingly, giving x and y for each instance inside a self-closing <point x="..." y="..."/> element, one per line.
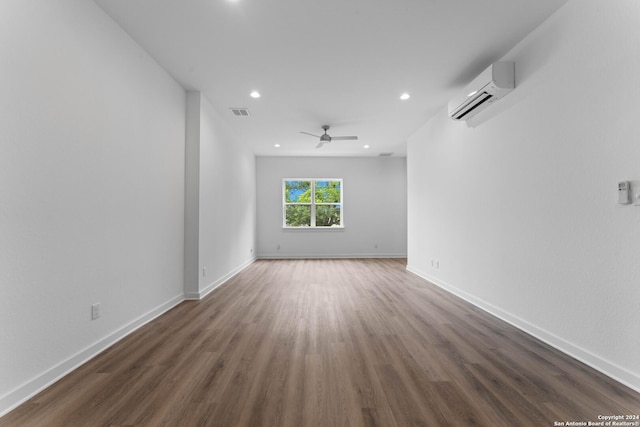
<point x="204" y="271"/>
<point x="95" y="311"/>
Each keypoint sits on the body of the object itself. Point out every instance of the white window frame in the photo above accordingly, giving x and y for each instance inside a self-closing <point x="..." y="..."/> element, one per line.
<point x="313" y="204"/>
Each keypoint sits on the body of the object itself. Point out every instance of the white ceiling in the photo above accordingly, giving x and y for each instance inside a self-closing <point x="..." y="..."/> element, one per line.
<point x="344" y="63"/>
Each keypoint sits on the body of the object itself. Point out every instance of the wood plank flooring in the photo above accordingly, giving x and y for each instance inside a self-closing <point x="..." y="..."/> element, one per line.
<point x="327" y="343"/>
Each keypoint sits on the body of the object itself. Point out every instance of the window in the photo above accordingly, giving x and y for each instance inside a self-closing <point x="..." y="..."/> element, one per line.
<point x="314" y="203"/>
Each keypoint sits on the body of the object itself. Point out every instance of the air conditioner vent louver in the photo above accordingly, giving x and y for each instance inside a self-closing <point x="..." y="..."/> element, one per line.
<point x="385" y="154"/>
<point x="240" y="112"/>
<point x="471" y="105"/>
<point x="491" y="85"/>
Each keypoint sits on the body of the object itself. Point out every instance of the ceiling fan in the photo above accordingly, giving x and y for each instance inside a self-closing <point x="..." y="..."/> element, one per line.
<point x="325" y="138"/>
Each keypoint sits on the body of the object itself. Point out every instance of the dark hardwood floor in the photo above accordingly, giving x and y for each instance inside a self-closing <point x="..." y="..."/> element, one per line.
<point x="327" y="343"/>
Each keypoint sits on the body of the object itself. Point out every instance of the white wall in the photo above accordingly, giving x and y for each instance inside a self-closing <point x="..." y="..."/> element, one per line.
<point x="520" y="209"/>
<point x="227" y="202"/>
<point x="374" y="206"/>
<point x="92" y="189"/>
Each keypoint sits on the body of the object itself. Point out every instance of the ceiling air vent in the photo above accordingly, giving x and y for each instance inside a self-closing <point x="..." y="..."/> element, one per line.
<point x="240" y="111"/>
<point x="385" y="154"/>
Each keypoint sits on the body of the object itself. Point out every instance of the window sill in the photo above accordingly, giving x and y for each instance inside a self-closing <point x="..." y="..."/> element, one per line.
<point x="341" y="228"/>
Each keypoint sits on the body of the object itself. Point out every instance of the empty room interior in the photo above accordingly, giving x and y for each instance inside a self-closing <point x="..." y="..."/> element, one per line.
<point x="298" y="212"/>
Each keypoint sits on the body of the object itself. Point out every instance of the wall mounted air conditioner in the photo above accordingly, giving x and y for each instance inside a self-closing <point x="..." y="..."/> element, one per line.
<point x="494" y="83"/>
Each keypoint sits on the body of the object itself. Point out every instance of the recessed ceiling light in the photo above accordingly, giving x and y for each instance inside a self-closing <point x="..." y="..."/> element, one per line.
<point x="366" y="146"/>
<point x="276" y="145"/>
<point x="255" y="94"/>
<point x="405" y="96"/>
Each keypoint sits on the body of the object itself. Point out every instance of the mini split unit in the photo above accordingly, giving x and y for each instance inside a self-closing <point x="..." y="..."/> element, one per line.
<point x="494" y="83"/>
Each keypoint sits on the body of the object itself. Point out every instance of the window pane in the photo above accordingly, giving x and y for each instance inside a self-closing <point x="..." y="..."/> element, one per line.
<point x="328" y="192"/>
<point x="297" y="191"/>
<point x="327" y="215"/>
<point x="298" y="216"/>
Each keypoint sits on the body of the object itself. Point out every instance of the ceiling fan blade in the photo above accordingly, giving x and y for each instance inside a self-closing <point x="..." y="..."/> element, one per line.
<point x="310" y="134"/>
<point x="320" y="145"/>
<point x="344" y="138"/>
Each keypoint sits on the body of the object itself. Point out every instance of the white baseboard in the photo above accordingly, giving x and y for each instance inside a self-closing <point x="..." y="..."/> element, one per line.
<point x="26" y="391"/>
<point x="21" y="394"/>
<point x="210" y="287"/>
<point x="329" y="256"/>
<point x="610" y="369"/>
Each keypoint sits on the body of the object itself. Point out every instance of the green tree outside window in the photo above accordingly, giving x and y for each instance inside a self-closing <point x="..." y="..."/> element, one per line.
<point x="313" y="203"/>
